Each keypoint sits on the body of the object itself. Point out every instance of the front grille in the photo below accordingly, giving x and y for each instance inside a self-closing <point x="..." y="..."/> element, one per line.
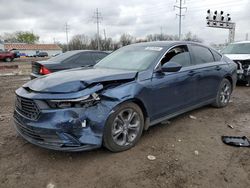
<point x="27" y="108"/>
<point x="36" y="68"/>
<point x="245" y="63"/>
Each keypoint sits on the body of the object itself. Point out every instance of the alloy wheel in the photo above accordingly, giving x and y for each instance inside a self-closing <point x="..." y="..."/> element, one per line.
<point x="225" y="93"/>
<point x="126" y="127"/>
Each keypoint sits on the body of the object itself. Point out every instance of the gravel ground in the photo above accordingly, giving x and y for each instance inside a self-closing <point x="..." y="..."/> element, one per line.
<point x="189" y="152"/>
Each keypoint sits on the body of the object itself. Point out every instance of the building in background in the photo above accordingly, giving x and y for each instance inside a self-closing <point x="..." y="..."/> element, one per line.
<point x="33" y="49"/>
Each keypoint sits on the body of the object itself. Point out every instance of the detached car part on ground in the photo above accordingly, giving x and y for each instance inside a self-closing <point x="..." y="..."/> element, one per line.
<point x="67" y="60"/>
<point x="239" y="52"/>
<point x="112" y="103"/>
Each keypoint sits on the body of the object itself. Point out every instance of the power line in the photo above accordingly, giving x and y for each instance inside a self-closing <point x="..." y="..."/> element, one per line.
<point x="180" y="15"/>
<point x="67" y="37"/>
<point x="97" y="16"/>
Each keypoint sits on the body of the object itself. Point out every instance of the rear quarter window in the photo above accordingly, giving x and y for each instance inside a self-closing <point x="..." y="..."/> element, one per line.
<point x="217" y="56"/>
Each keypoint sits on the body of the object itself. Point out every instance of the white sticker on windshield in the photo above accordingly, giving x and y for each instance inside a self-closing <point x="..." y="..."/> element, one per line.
<point x="154" y="48"/>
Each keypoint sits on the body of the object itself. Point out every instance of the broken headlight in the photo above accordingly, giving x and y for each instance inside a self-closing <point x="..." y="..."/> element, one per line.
<point x="85" y="101"/>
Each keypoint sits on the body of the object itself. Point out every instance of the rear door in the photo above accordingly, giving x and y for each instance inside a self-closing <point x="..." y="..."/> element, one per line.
<point x="210" y="69"/>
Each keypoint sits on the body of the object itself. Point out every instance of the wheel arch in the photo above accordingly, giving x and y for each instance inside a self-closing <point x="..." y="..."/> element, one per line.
<point x="143" y="109"/>
<point x="230" y="79"/>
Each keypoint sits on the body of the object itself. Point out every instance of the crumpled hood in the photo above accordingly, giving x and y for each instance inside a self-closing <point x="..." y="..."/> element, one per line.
<point x="76" y="79"/>
<point x="238" y="56"/>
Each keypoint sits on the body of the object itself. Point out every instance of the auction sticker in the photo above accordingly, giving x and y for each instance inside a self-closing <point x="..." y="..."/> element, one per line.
<point x="154" y="48"/>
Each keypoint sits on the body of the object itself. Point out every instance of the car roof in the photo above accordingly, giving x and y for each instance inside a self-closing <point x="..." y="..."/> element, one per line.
<point x="166" y="43"/>
<point x="78" y="51"/>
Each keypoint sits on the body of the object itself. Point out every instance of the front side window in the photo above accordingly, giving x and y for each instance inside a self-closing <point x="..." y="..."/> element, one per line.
<point x="179" y="54"/>
<point x="202" y="54"/>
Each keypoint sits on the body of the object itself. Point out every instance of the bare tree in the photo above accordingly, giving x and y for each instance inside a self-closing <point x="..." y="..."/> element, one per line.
<point x="191" y="37"/>
<point x="126" y="39"/>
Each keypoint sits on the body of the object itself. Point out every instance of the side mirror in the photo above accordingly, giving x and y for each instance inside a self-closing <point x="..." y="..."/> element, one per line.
<point x="171" y="67"/>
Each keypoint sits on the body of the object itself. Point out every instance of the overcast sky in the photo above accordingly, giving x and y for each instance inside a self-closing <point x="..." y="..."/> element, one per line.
<point x="139" y="18"/>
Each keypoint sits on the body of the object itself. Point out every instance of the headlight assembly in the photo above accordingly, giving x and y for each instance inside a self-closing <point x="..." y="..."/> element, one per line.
<point x="85" y="101"/>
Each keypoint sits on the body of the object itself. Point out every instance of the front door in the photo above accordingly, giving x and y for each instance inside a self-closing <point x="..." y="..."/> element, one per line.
<point x="172" y="92"/>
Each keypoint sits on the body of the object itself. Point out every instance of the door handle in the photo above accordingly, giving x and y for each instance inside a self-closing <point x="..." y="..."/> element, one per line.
<point x="191" y="73"/>
<point x="217" y="68"/>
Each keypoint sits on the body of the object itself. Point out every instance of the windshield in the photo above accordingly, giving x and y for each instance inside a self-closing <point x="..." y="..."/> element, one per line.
<point x="237" y="48"/>
<point x="131" y="58"/>
<point x="63" y="56"/>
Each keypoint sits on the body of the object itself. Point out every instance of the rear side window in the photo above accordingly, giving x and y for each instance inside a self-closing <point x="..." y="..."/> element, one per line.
<point x="71" y="60"/>
<point x="201" y="54"/>
<point x="98" y="56"/>
<point x="217" y="56"/>
<point x="84" y="59"/>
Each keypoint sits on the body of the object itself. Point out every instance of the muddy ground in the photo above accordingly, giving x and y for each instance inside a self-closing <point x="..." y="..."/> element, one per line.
<point x="189" y="152"/>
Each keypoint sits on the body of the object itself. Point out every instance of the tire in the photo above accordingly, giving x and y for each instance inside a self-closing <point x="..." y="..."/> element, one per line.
<point x="123" y="128"/>
<point x="223" y="94"/>
<point x="7" y="59"/>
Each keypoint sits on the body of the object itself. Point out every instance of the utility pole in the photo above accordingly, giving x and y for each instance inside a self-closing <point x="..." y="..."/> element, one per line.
<point x="180" y="15"/>
<point x="105" y="39"/>
<point x="97" y="17"/>
<point x="104" y="32"/>
<point x="246" y="36"/>
<point x="161" y="34"/>
<point x="67" y="38"/>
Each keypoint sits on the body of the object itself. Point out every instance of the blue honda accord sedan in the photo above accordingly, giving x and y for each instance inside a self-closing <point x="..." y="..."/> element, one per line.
<point x="128" y="91"/>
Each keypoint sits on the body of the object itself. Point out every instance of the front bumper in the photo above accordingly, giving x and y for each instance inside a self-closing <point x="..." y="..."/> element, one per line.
<point x="76" y="129"/>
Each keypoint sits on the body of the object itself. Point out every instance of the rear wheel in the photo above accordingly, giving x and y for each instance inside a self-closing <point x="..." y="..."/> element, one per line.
<point x="223" y="94"/>
<point x="123" y="128"/>
<point x="7" y="59"/>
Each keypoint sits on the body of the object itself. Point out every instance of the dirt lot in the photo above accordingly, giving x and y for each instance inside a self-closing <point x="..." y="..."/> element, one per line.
<point x="189" y="152"/>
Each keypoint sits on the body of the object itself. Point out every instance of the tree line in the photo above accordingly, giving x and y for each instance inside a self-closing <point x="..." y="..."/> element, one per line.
<point x="82" y="41"/>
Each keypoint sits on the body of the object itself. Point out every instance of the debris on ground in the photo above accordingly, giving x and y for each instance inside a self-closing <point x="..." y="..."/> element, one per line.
<point x="166" y="122"/>
<point x="179" y="140"/>
<point x="196" y="152"/>
<point x="239" y="141"/>
<point x="151" y="157"/>
<point x="230" y="126"/>
<point x="1" y="118"/>
<point x="50" y="185"/>
<point x="192" y="117"/>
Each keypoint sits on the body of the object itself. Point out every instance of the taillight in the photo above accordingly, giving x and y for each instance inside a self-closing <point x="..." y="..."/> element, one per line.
<point x="44" y="70"/>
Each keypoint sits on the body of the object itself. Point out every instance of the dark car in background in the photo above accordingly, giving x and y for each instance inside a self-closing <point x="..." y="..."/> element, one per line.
<point x="7" y="56"/>
<point x="42" y="54"/>
<point x="67" y="60"/>
<point x="131" y="89"/>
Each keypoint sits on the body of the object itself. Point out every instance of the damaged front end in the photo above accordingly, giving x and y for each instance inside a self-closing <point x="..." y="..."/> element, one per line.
<point x="243" y="70"/>
<point x="64" y="121"/>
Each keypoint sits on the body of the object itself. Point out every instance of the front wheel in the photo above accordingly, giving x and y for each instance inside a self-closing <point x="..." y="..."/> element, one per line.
<point x="223" y="94"/>
<point x="124" y="127"/>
